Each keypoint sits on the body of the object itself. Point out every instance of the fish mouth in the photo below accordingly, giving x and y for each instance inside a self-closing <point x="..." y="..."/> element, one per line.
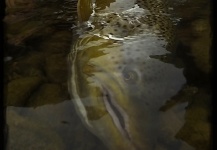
<point x="118" y="115"/>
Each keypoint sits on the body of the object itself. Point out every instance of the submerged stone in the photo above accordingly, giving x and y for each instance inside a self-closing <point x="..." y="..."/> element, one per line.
<point x="197" y="128"/>
<point x="56" y="68"/>
<point x="27" y="66"/>
<point x="19" y="90"/>
<point x="201" y="46"/>
<point x="55" y="43"/>
<point x="47" y="94"/>
<point x="27" y="133"/>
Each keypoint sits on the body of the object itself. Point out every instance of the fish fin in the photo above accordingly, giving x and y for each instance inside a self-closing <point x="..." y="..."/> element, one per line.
<point x="85" y="9"/>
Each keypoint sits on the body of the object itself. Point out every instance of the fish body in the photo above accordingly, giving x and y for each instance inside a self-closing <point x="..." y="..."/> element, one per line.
<point x="119" y="77"/>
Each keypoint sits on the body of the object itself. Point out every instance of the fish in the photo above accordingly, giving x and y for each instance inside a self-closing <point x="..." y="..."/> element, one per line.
<point x="122" y="71"/>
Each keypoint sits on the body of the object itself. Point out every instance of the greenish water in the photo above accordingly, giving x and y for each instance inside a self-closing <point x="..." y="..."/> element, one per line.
<point x="39" y="114"/>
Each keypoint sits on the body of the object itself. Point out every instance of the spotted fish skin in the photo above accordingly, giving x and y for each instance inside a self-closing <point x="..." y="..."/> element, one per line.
<point x="155" y="18"/>
<point x="119" y="78"/>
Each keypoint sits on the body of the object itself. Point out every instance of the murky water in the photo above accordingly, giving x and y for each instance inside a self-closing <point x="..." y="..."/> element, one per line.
<point x="39" y="112"/>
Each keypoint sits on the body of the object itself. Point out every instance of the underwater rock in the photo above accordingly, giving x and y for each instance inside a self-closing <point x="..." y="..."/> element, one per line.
<point x="34" y="59"/>
<point x="21" y="26"/>
<point x="18" y="32"/>
<point x="8" y="58"/>
<point x="197" y="128"/>
<point x="47" y="94"/>
<point x="196" y="134"/>
<point x="201" y="26"/>
<point x="26" y="133"/>
<point x="57" y="124"/>
<point x="19" y="5"/>
<point x="58" y="42"/>
<point x="26" y="66"/>
<point x="26" y="72"/>
<point x="185" y="95"/>
<point x="201" y="52"/>
<point x="201" y="46"/>
<point x="195" y="32"/>
<point x="20" y="89"/>
<point x="191" y="8"/>
<point x="56" y="68"/>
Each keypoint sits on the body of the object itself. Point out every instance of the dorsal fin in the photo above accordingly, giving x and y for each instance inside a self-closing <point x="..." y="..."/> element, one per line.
<point x="85" y="9"/>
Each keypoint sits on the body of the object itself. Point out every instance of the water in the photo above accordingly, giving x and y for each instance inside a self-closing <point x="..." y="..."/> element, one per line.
<point x="38" y="40"/>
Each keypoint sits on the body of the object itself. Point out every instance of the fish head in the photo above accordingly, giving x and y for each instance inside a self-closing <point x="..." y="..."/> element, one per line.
<point x="119" y="88"/>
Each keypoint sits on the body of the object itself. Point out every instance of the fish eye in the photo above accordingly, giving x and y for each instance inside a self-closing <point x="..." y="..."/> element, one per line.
<point x="130" y="76"/>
